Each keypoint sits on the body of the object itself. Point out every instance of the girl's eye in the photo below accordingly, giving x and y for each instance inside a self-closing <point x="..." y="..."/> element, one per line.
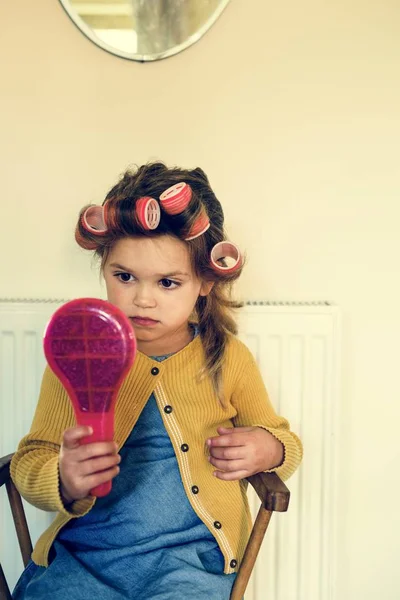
<point x="168" y="284"/>
<point x="124" y="277"/>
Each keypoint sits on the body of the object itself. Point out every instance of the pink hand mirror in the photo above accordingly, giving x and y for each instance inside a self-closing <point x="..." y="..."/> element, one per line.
<point x="90" y="346"/>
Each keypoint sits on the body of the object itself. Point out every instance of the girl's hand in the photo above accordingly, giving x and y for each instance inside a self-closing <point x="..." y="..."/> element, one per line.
<point x="83" y="467"/>
<point x="239" y="452"/>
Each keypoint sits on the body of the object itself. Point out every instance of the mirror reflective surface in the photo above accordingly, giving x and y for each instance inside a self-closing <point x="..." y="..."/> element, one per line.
<point x="144" y="30"/>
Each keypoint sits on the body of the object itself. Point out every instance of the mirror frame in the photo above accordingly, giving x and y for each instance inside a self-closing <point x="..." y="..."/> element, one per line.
<point x="87" y="31"/>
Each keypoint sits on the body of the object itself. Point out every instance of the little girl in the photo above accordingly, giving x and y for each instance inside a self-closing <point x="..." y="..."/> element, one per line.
<point x="192" y="421"/>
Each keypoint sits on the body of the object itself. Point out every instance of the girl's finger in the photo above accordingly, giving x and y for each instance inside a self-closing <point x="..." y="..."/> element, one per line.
<point x="228" y="453"/>
<point x="227" y="465"/>
<point x="228" y="439"/>
<point x="232" y="476"/>
<point x="93" y="481"/>
<point x="73" y="436"/>
<point x="95" y="449"/>
<point x="94" y="465"/>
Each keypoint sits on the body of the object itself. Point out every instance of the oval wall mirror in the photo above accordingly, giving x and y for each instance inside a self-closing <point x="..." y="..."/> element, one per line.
<point x="144" y="30"/>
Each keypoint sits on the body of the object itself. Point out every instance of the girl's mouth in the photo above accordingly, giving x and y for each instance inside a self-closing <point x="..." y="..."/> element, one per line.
<point x="143" y="322"/>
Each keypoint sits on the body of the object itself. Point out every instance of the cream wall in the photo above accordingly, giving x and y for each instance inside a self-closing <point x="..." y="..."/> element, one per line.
<point x="293" y="110"/>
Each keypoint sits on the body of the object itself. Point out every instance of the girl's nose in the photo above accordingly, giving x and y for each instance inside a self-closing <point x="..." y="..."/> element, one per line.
<point x="143" y="298"/>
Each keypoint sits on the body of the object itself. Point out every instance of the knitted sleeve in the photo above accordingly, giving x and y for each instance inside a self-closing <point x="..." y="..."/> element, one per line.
<point x="34" y="467"/>
<point x="254" y="408"/>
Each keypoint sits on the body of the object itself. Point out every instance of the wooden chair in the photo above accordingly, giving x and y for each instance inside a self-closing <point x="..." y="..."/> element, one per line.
<point x="272" y="492"/>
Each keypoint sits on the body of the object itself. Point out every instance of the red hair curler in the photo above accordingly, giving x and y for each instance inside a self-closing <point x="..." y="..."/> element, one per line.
<point x="201" y="225"/>
<point x="90" y="345"/>
<point x="226" y="250"/>
<point x="176" y="198"/>
<point x="148" y="212"/>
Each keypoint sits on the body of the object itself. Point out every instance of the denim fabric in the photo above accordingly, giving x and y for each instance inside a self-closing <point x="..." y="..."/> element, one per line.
<point x="143" y="541"/>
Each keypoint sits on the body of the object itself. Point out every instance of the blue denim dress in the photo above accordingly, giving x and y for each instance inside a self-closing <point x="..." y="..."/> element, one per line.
<point x="143" y="541"/>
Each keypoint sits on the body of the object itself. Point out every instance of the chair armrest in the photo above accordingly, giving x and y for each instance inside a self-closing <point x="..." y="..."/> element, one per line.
<point x="5" y="468"/>
<point x="271" y="490"/>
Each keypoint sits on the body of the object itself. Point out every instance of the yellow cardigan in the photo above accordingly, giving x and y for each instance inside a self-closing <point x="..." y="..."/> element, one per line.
<point x="196" y="414"/>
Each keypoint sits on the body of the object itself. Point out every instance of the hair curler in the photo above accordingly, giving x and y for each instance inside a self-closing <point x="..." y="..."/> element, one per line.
<point x="93" y="220"/>
<point x="148" y="212"/>
<point x="226" y="250"/>
<point x="176" y="198"/>
<point x="200" y="226"/>
<point x="90" y="345"/>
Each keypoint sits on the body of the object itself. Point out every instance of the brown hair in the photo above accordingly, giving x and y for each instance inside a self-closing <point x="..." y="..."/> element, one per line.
<point x="213" y="312"/>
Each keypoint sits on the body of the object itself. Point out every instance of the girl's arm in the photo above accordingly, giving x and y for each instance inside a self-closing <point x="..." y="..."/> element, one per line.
<point x="254" y="408"/>
<point x="35" y="465"/>
<point x="261" y="440"/>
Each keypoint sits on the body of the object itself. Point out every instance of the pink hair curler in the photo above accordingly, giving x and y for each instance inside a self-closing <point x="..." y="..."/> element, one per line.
<point x="148" y="212"/>
<point x="90" y="345"/>
<point x="93" y="220"/>
<point x="199" y="227"/>
<point x="176" y="198"/>
<point x="226" y="250"/>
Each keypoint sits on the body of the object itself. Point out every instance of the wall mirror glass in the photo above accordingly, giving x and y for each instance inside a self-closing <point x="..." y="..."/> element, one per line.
<point x="144" y="30"/>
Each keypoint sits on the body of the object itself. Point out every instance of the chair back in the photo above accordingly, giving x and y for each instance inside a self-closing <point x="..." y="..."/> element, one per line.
<point x="21" y="525"/>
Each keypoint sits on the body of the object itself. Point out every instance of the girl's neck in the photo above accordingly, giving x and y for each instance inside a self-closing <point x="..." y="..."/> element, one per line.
<point x="169" y="345"/>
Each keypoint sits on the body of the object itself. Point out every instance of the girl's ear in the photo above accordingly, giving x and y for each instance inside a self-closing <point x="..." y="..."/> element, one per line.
<point x="206" y="288"/>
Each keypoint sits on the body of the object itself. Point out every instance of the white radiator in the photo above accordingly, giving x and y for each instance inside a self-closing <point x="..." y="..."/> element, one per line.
<point x="297" y="348"/>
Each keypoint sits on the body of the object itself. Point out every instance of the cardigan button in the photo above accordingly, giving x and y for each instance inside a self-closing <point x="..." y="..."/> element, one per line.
<point x="155" y="371"/>
<point x="233" y="563"/>
<point x="217" y="525"/>
<point x="168" y="409"/>
<point x="195" y="489"/>
<point x="184" y="447"/>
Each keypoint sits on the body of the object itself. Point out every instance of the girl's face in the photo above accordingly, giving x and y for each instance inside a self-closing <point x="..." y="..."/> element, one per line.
<point x="152" y="281"/>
